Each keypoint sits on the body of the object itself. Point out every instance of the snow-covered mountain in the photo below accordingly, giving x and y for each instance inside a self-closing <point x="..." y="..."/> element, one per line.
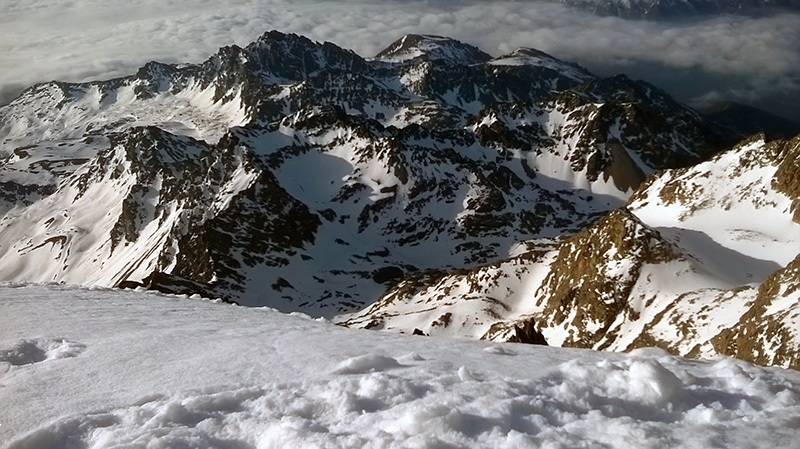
<point x="701" y="260"/>
<point x="291" y="168"/>
<point x="469" y="195"/>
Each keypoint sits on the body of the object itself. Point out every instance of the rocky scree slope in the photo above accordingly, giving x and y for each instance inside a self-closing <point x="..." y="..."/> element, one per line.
<point x="299" y="175"/>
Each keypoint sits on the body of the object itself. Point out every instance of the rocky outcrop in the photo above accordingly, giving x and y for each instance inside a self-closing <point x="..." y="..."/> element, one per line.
<point x="683" y="267"/>
<point x="768" y="332"/>
<point x="589" y="286"/>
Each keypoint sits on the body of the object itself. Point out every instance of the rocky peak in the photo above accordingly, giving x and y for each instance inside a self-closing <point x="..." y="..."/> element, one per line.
<point x="416" y="47"/>
<point x="152" y="146"/>
<point x="296" y="57"/>
<point x="274" y="59"/>
<point x="590" y="283"/>
<point x="644" y="112"/>
<point x="155" y="77"/>
<point x="621" y="89"/>
<point x="533" y="58"/>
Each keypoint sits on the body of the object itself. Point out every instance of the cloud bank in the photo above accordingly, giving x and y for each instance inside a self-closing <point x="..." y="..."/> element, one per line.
<point x="755" y="60"/>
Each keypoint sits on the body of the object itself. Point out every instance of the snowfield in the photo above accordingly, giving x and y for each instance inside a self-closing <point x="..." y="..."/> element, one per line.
<point x="103" y="368"/>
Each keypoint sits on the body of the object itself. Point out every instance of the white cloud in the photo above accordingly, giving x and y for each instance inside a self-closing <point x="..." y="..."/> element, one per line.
<point x="742" y="58"/>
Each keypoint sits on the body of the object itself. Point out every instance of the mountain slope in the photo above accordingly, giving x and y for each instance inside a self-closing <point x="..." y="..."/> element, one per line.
<point x="516" y="198"/>
<point x="361" y="169"/>
<point x="702" y="260"/>
<point x="744" y="121"/>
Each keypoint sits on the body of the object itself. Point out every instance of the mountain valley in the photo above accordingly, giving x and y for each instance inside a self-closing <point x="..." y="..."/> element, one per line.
<point x="432" y="189"/>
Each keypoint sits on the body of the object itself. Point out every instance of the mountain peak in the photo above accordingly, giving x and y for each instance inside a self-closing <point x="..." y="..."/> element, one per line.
<point x="531" y="57"/>
<point x="275" y="38"/>
<point x="432" y="48"/>
<point x="284" y="56"/>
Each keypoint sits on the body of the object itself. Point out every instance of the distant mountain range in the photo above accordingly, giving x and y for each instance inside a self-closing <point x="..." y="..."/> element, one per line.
<point x="679" y="9"/>
<point x="432" y="189"/>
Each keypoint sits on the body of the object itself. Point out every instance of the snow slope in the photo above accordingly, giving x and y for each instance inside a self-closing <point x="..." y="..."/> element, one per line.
<point x="703" y="260"/>
<point x="107" y="368"/>
<point x="728" y="211"/>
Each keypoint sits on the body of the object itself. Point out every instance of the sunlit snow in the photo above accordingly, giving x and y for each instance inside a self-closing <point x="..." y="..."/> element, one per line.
<point x="106" y="368"/>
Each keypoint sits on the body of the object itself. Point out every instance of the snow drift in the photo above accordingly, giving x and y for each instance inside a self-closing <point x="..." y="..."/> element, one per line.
<point x="158" y="371"/>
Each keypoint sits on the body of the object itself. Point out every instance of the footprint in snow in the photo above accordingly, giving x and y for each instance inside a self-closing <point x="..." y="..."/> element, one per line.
<point x="28" y="352"/>
<point x="368" y="363"/>
<point x="499" y="350"/>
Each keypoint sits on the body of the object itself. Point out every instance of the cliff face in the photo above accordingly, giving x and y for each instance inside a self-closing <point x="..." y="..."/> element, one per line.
<point x="590" y="284"/>
<point x="767" y="333"/>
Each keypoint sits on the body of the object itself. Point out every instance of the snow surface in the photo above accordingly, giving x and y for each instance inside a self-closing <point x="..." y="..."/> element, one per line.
<point x="107" y="368"/>
<point x="732" y="219"/>
<point x="530" y="57"/>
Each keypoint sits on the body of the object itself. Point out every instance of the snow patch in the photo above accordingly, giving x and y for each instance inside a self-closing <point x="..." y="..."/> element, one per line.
<point x="176" y="372"/>
<point x="368" y="363"/>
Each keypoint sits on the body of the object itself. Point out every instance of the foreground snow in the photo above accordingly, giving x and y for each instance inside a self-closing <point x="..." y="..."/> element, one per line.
<point x="104" y="368"/>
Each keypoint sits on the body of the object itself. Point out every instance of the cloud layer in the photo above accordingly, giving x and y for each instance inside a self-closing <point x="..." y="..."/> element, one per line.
<point x="754" y="60"/>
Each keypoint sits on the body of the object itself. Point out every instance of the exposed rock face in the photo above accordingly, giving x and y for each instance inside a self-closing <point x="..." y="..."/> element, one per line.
<point x="768" y="332"/>
<point x="787" y="177"/>
<point x="701" y="261"/>
<point x="470" y="195"/>
<point x="589" y="285"/>
<point x="523" y="331"/>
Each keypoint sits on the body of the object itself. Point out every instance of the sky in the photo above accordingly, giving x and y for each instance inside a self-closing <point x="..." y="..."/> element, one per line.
<point x="755" y="60"/>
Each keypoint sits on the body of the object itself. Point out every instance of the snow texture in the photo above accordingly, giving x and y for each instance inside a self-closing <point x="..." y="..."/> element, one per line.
<point x="156" y="371"/>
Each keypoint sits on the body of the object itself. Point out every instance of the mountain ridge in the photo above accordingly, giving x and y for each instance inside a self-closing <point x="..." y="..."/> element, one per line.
<point x="301" y="176"/>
